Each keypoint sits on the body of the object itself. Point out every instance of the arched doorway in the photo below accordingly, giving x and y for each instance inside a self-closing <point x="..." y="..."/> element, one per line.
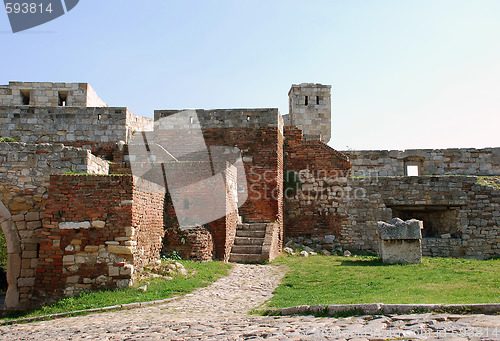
<point x="13" y="257"/>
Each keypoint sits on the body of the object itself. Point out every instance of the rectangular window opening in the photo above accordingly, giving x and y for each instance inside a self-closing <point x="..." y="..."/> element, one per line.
<point x="63" y="98"/>
<point x="412" y="171"/>
<point x="25" y="97"/>
<point x="191" y="120"/>
<point x="317" y="100"/>
<point x="307" y="100"/>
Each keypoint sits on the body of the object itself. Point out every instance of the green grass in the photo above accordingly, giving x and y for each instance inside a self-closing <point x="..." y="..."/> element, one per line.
<point x="491" y="181"/>
<point x="364" y="279"/>
<point x="3" y="251"/>
<point x="201" y="274"/>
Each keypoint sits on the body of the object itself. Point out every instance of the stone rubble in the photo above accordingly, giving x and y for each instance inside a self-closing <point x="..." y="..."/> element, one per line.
<point x="219" y="312"/>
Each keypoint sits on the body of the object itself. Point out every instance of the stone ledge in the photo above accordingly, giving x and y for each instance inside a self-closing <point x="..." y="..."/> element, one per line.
<point x="386" y="309"/>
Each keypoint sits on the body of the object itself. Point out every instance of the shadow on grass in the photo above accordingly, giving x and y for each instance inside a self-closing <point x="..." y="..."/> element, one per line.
<point x="363" y="262"/>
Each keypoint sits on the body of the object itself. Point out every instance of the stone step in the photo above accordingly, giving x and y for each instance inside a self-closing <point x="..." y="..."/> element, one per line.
<point x="250" y="233"/>
<point x="253" y="226"/>
<point x="248" y="241"/>
<point x="249" y="249"/>
<point x="244" y="258"/>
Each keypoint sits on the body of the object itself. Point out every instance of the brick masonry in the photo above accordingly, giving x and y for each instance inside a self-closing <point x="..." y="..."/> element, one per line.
<point x="312" y="210"/>
<point x="98" y="231"/>
<point x="24" y="182"/>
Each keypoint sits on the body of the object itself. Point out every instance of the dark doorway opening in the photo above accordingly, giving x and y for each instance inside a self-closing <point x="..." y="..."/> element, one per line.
<point x="438" y="220"/>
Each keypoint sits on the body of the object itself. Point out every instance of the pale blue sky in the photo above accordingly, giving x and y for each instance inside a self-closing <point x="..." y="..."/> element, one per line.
<point x="405" y="73"/>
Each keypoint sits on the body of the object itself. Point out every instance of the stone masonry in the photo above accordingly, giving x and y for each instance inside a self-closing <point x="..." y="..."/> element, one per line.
<point x="400" y="241"/>
<point x="75" y="232"/>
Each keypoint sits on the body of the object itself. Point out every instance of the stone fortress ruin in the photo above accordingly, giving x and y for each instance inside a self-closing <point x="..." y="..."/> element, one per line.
<point x="76" y="217"/>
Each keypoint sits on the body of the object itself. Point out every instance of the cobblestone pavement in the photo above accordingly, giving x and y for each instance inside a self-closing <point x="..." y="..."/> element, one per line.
<point x="218" y="312"/>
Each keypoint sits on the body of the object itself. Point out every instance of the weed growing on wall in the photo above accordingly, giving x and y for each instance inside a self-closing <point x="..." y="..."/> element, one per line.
<point x="3" y="251"/>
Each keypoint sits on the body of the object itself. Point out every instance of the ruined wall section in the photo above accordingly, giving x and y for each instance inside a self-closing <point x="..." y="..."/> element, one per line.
<point x="257" y="134"/>
<point x="63" y="124"/>
<point x="24" y="182"/>
<point x="49" y="94"/>
<point x="97" y="232"/>
<point x="312" y="209"/>
<point x="467" y="161"/>
<point x="461" y="217"/>
<point x="147" y="229"/>
<point x="136" y="123"/>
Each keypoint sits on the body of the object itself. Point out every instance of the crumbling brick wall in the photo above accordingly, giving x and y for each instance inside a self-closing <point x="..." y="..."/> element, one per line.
<point x="24" y="181"/>
<point x="97" y="231"/>
<point x="312" y="208"/>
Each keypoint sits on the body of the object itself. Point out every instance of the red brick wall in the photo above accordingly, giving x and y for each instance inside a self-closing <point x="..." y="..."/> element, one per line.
<point x="312" y="210"/>
<point x="120" y="229"/>
<point x="147" y="221"/>
<point x="262" y="157"/>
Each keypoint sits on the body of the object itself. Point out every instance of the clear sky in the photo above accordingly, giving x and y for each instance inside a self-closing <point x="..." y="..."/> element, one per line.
<point x="404" y="73"/>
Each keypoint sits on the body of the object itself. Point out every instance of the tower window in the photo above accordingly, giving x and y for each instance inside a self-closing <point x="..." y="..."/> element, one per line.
<point x="412" y="170"/>
<point x="307" y="100"/>
<point x="248" y="118"/>
<point x="191" y="119"/>
<point x="25" y="97"/>
<point x="63" y="98"/>
<point x="317" y="100"/>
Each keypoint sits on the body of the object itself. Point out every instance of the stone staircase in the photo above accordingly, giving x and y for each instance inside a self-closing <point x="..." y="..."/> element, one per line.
<point x="248" y="243"/>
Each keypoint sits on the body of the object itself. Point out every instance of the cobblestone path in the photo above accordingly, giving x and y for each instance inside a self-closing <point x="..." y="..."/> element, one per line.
<point x="218" y="312"/>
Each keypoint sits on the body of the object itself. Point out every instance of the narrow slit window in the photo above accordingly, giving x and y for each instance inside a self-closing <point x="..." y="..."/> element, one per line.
<point x="248" y="118"/>
<point x="412" y="171"/>
<point x="317" y="100"/>
<point x="191" y="120"/>
<point x="98" y="117"/>
<point x="25" y="97"/>
<point x="306" y="102"/>
<point x="63" y="98"/>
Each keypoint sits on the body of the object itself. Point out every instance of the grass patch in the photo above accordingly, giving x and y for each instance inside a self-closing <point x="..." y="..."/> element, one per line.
<point x="364" y="279"/>
<point x="489" y="181"/>
<point x="200" y="275"/>
<point x="3" y="251"/>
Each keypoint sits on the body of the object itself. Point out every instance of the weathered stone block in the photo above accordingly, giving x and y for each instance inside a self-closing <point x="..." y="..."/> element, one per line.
<point x="74" y="225"/>
<point x="98" y="224"/>
<point x="120" y="250"/>
<point x="400" y="241"/>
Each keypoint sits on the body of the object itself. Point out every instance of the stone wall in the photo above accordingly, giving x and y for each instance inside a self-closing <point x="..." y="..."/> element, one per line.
<point x="312" y="209"/>
<point x="97" y="231"/>
<point x="218" y="118"/>
<point x="467" y="161"/>
<point x="24" y="181"/>
<point x="461" y="217"/>
<point x="49" y="94"/>
<point x="310" y="110"/>
<point x="69" y="125"/>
